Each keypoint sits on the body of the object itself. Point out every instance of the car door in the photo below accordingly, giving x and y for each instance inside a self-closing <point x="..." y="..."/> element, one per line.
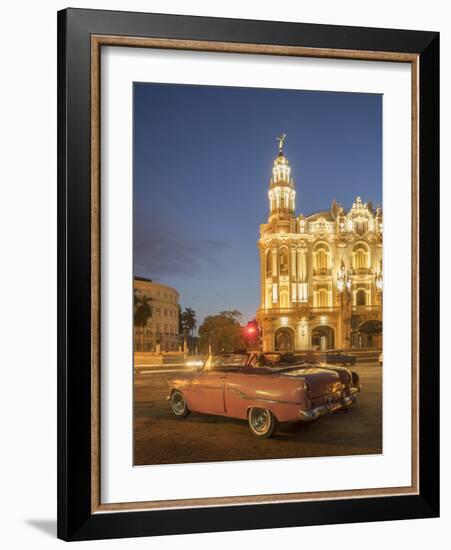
<point x="208" y="392"/>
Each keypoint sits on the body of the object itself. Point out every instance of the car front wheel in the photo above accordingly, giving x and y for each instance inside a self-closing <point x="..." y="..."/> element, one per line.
<point x="179" y="405"/>
<point x="262" y="422"/>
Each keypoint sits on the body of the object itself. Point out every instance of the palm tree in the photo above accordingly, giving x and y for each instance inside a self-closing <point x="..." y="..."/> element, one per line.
<point x="142" y="312"/>
<point x="188" y="321"/>
<point x="136" y="300"/>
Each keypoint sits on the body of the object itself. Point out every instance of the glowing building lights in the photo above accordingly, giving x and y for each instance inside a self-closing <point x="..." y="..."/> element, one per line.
<point x="319" y="271"/>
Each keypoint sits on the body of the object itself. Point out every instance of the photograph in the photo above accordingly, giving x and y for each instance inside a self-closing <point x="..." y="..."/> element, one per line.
<point x="257" y="273"/>
<point x="239" y="345"/>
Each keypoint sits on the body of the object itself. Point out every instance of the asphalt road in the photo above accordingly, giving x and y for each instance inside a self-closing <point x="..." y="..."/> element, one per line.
<point x="161" y="438"/>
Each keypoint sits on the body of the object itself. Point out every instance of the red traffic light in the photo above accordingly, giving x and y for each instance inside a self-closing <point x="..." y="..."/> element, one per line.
<point x="251" y="328"/>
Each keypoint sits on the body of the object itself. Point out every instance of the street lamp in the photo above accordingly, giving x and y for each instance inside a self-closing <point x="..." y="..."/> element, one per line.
<point x="344" y="279"/>
<point x="344" y="286"/>
<point x="378" y="278"/>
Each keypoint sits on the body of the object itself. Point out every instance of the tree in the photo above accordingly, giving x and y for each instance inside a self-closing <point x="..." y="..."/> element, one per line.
<point x="180" y="321"/>
<point x="142" y="312"/>
<point x="188" y="322"/>
<point x="221" y="332"/>
<point x="136" y="300"/>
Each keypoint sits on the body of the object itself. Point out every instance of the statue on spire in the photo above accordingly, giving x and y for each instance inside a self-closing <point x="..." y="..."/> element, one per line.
<point x="281" y="140"/>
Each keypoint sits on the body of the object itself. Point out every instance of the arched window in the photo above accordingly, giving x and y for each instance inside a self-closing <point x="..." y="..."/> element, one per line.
<point x="323" y="296"/>
<point x="360" y="298"/>
<point x="361" y="226"/>
<point x="268" y="267"/>
<point x="283" y="266"/>
<point x="361" y="257"/>
<point x="322" y="257"/>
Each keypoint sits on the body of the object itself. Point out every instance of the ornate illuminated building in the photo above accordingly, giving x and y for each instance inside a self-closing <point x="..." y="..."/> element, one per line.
<point x="321" y="275"/>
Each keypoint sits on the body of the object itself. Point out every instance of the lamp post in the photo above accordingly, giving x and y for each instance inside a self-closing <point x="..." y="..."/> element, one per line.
<point x="378" y="279"/>
<point x="344" y="286"/>
<point x="379" y="282"/>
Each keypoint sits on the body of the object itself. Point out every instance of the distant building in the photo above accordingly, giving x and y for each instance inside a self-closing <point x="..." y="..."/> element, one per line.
<point x="321" y="275"/>
<point x="161" y="332"/>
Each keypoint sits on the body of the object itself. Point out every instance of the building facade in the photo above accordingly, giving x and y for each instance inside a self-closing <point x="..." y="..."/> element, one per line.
<point x="321" y="275"/>
<point x="161" y="332"/>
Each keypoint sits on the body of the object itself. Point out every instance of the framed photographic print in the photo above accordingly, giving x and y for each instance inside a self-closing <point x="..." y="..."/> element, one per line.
<point x="248" y="274"/>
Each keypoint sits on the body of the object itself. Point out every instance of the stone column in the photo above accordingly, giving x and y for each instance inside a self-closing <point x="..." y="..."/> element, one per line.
<point x="302" y="274"/>
<point x="262" y="278"/>
<point x="293" y="289"/>
<point x="303" y="335"/>
<point x="275" y="271"/>
<point x="268" y="337"/>
<point x="341" y="329"/>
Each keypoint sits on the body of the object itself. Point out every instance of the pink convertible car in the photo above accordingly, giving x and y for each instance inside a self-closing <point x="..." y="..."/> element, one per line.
<point x="264" y="389"/>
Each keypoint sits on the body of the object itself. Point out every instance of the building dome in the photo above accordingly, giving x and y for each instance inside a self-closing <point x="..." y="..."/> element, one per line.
<point x="281" y="172"/>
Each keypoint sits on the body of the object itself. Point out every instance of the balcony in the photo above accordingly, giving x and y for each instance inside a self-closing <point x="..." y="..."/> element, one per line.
<point x="362" y="271"/>
<point x="323" y="310"/>
<point x="298" y="308"/>
<point x="283" y="311"/>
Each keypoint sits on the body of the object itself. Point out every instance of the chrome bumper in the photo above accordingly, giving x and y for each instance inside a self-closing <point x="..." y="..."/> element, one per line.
<point x="332" y="404"/>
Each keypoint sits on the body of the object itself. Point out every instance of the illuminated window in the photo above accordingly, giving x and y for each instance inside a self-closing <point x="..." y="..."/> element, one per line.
<point x="323" y="297"/>
<point x="361" y="257"/>
<point x="268" y="263"/>
<point x="322" y="258"/>
<point x="284" y="262"/>
<point x="284" y="299"/>
<point x="360" y="298"/>
<point x="361" y="226"/>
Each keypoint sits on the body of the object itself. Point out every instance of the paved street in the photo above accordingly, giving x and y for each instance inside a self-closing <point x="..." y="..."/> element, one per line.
<point x="161" y="438"/>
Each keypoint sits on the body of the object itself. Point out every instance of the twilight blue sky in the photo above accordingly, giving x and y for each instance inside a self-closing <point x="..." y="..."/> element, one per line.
<point x="203" y="157"/>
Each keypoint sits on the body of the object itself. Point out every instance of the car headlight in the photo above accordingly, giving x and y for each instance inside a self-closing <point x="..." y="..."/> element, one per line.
<point x="194" y="363"/>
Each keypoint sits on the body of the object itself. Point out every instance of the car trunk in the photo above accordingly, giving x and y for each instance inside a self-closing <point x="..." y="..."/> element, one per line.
<point x="320" y="381"/>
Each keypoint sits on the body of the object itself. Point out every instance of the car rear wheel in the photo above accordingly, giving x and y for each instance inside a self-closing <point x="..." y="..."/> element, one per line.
<point x="179" y="405"/>
<point x="262" y="422"/>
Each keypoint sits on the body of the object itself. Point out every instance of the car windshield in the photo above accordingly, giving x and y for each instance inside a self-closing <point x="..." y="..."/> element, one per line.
<point x="283" y="359"/>
<point x="226" y="361"/>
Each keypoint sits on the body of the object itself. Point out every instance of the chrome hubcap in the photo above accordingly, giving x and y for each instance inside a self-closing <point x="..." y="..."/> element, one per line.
<point x="178" y="403"/>
<point x="260" y="420"/>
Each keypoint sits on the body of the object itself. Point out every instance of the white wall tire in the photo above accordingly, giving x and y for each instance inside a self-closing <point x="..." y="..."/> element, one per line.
<point x="179" y="405"/>
<point x="262" y="422"/>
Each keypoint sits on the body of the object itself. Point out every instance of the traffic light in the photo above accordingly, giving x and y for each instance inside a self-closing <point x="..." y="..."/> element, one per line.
<point x="252" y="334"/>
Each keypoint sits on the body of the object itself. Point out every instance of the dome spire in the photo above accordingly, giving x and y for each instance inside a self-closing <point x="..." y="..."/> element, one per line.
<point x="281" y="187"/>
<point x="281" y="139"/>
